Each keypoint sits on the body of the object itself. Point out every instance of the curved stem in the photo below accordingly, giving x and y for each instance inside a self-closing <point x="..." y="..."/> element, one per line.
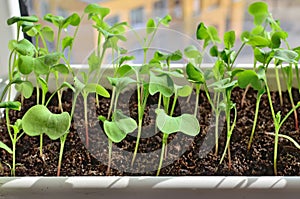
<point x="255" y="120"/>
<point x="62" y="145"/>
<point x="162" y="153"/>
<point x="278" y="85"/>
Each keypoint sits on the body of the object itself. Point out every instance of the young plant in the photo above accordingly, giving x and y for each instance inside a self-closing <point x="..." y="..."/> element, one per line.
<point x="186" y="123"/>
<point x="15" y="136"/>
<point x="117" y="125"/>
<point x="256" y="80"/>
<point x="38" y="119"/>
<point x="142" y="86"/>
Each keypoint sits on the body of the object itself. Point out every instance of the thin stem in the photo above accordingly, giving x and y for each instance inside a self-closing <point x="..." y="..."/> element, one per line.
<point x="162" y="153"/>
<point x="86" y="123"/>
<point x="197" y="99"/>
<point x="109" y="156"/>
<point x="217" y="135"/>
<point x="62" y="145"/>
<point x="293" y="107"/>
<point x="278" y="85"/>
<point x="255" y="120"/>
<point x="14" y="155"/>
<point x="41" y="145"/>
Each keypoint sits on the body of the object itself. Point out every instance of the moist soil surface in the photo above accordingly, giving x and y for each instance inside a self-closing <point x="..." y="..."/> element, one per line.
<point x="185" y="155"/>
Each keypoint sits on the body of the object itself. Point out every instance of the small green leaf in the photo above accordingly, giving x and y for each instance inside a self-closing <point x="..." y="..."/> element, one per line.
<point x="284" y="55"/>
<point x="194" y="74"/>
<point x="11" y="105"/>
<point x="124" y="70"/>
<point x="186" y="123"/>
<point x="258" y="41"/>
<point x="161" y="84"/>
<point x="183" y="91"/>
<point x="125" y="58"/>
<point x="150" y="27"/>
<point x="61" y="68"/>
<point x="25" y="47"/>
<point x="26" y="88"/>
<point x="73" y="20"/>
<point x="43" y="84"/>
<point x="51" y="58"/>
<point x="277" y="37"/>
<point x="48" y="33"/>
<point x="166" y="20"/>
<point x="260" y="12"/>
<point x="249" y="77"/>
<point x="95" y="9"/>
<point x="261" y="56"/>
<point x="229" y="39"/>
<point x="38" y="119"/>
<point x="100" y="90"/>
<point x="94" y="62"/>
<point x="5" y="147"/>
<point x="213" y="34"/>
<point x="120" y="83"/>
<point x="16" y="19"/>
<point x="67" y="42"/>
<point x="201" y="32"/>
<point x="119" y="127"/>
<point x="40" y="67"/>
<point x="214" y="51"/>
<point x="191" y="52"/>
<point x="25" y="64"/>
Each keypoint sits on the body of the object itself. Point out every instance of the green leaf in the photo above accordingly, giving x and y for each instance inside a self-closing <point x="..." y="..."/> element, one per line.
<point x="11" y="105"/>
<point x="61" y="68"/>
<point x="119" y="127"/>
<point x="284" y="55"/>
<point x="260" y="12"/>
<point x="51" y="58"/>
<point x="249" y="77"/>
<point x="95" y="9"/>
<point x="124" y="70"/>
<point x="258" y="41"/>
<point x="16" y="19"/>
<point x="38" y="119"/>
<point x="166" y="20"/>
<point x="194" y="74"/>
<point x="94" y="62"/>
<point x="261" y="56"/>
<point x="219" y="69"/>
<point x="186" y="123"/>
<point x="191" y="52"/>
<point x="161" y="84"/>
<point x="25" y="64"/>
<point x="25" y="47"/>
<point x="201" y="32"/>
<point x="229" y="39"/>
<point x="100" y="90"/>
<point x="214" y="51"/>
<point x="79" y="86"/>
<point x="277" y="37"/>
<point x="67" y="42"/>
<point x="40" y="67"/>
<point x="120" y="83"/>
<point x="43" y="84"/>
<point x="73" y="20"/>
<point x="125" y="58"/>
<point x="183" y="91"/>
<point x="5" y="147"/>
<point x="150" y="27"/>
<point x="26" y="88"/>
<point x="213" y="34"/>
<point x="48" y="33"/>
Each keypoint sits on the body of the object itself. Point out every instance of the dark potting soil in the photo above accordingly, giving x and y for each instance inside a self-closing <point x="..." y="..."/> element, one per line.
<point x="185" y="155"/>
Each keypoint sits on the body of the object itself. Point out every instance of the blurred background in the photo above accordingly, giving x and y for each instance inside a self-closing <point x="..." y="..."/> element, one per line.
<point x="187" y="14"/>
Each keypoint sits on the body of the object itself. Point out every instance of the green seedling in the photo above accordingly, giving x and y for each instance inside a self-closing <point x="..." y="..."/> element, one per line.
<point x="167" y="124"/>
<point x="85" y="88"/>
<point x="142" y="86"/>
<point x="120" y="124"/>
<point x="38" y="119"/>
<point x="255" y="79"/>
<point x="62" y="43"/>
<point x="15" y="136"/>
